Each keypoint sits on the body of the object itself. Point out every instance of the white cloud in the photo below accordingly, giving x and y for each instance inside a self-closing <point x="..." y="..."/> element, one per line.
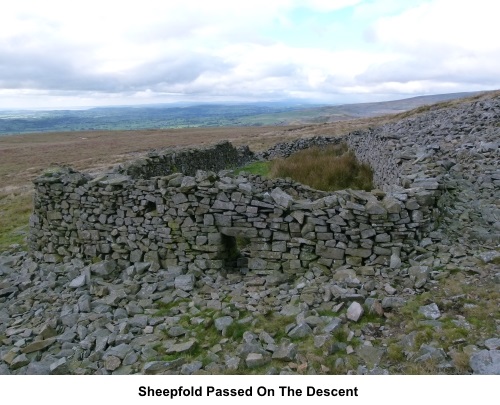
<point x="449" y="42"/>
<point x="107" y="50"/>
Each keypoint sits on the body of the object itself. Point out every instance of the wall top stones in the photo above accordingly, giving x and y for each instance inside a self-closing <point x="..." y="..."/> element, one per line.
<point x="188" y="160"/>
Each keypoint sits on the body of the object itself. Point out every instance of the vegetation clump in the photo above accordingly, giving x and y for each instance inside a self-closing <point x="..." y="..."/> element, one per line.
<point x="329" y="168"/>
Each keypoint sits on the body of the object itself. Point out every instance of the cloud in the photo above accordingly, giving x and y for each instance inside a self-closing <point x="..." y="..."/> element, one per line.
<point x="447" y="42"/>
<point x="109" y="50"/>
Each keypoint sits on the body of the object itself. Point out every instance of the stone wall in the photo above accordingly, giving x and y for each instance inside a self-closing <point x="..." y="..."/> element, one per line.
<point x="188" y="161"/>
<point x="225" y="221"/>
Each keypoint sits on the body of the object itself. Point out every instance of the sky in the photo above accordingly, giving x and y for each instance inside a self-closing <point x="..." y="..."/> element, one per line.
<point x="67" y="54"/>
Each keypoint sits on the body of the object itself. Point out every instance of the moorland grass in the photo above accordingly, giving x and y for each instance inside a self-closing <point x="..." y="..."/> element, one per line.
<point x="328" y="168"/>
<point x="14" y="214"/>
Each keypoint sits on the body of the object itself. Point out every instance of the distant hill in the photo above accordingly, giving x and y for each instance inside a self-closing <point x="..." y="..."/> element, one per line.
<point x="204" y="115"/>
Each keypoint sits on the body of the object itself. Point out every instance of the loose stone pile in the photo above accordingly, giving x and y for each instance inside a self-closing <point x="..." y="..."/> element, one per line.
<point x="212" y="273"/>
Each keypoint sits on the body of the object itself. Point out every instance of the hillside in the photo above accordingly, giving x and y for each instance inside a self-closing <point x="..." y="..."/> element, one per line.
<point x="403" y="280"/>
<point x="206" y="115"/>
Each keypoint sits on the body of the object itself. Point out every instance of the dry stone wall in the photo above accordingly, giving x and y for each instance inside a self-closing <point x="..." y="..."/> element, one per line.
<point x="203" y="220"/>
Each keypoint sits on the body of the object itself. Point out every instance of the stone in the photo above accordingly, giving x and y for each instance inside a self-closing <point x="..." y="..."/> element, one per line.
<point x="430" y="311"/>
<point x="281" y="198"/>
<point x="419" y="274"/>
<point x="104" y="269"/>
<point x="112" y="363"/>
<point x="354" y="311"/>
<point x="19" y="361"/>
<point x="492" y="344"/>
<point x="490" y="256"/>
<point x="222" y="323"/>
<point x="185" y="282"/>
<point x="191" y="368"/>
<point x="182" y="347"/>
<point x="160" y="367"/>
<point x="38" y="345"/>
<point x="59" y="367"/>
<point x="393" y="302"/>
<point x="300" y="331"/>
<point x="254" y="360"/>
<point x="371" y="355"/>
<point x="332" y="325"/>
<point x="286" y="351"/>
<point x="78" y="282"/>
<point x="485" y="362"/>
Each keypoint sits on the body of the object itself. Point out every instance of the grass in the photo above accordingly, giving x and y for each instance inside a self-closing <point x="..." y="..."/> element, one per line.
<point x="328" y="169"/>
<point x="258" y="168"/>
<point x="15" y="210"/>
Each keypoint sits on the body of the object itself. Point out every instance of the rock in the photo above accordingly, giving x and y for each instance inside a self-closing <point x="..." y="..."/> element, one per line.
<point x="393" y="302"/>
<point x="428" y="352"/>
<point x="19" y="361"/>
<point x="492" y="344"/>
<point x="486" y="362"/>
<point x="222" y="323"/>
<point x="59" y="367"/>
<point x="300" y="331"/>
<point x="4" y="369"/>
<point x="286" y="351"/>
<point x="254" y="360"/>
<point x="332" y="325"/>
<point x="419" y="274"/>
<point x="78" y="282"/>
<point x="104" y="269"/>
<point x="430" y="311"/>
<point x="159" y="367"/>
<point x="112" y="363"/>
<point x="185" y="282"/>
<point x="281" y="198"/>
<point x="290" y="310"/>
<point x="191" y="368"/>
<point x="355" y="311"/>
<point x="370" y="355"/>
<point x="38" y="345"/>
<point x="182" y="347"/>
<point x="490" y="256"/>
<point x="176" y="331"/>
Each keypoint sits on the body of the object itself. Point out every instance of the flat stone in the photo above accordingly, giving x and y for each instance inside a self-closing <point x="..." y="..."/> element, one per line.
<point x="486" y="362"/>
<point x="159" y="367"/>
<point x="430" y="311"/>
<point x="182" y="347"/>
<point x="185" y="282"/>
<point x="256" y="360"/>
<point x="371" y="355"/>
<point x="393" y="302"/>
<point x="300" y="331"/>
<point x="492" y="344"/>
<point x="38" y="345"/>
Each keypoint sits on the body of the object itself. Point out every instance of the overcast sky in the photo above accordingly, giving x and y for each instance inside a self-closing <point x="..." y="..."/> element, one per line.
<point x="65" y="54"/>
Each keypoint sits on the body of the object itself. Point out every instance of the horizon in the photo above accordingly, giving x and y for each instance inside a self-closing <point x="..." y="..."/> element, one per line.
<point x="60" y="55"/>
<point x="178" y="104"/>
